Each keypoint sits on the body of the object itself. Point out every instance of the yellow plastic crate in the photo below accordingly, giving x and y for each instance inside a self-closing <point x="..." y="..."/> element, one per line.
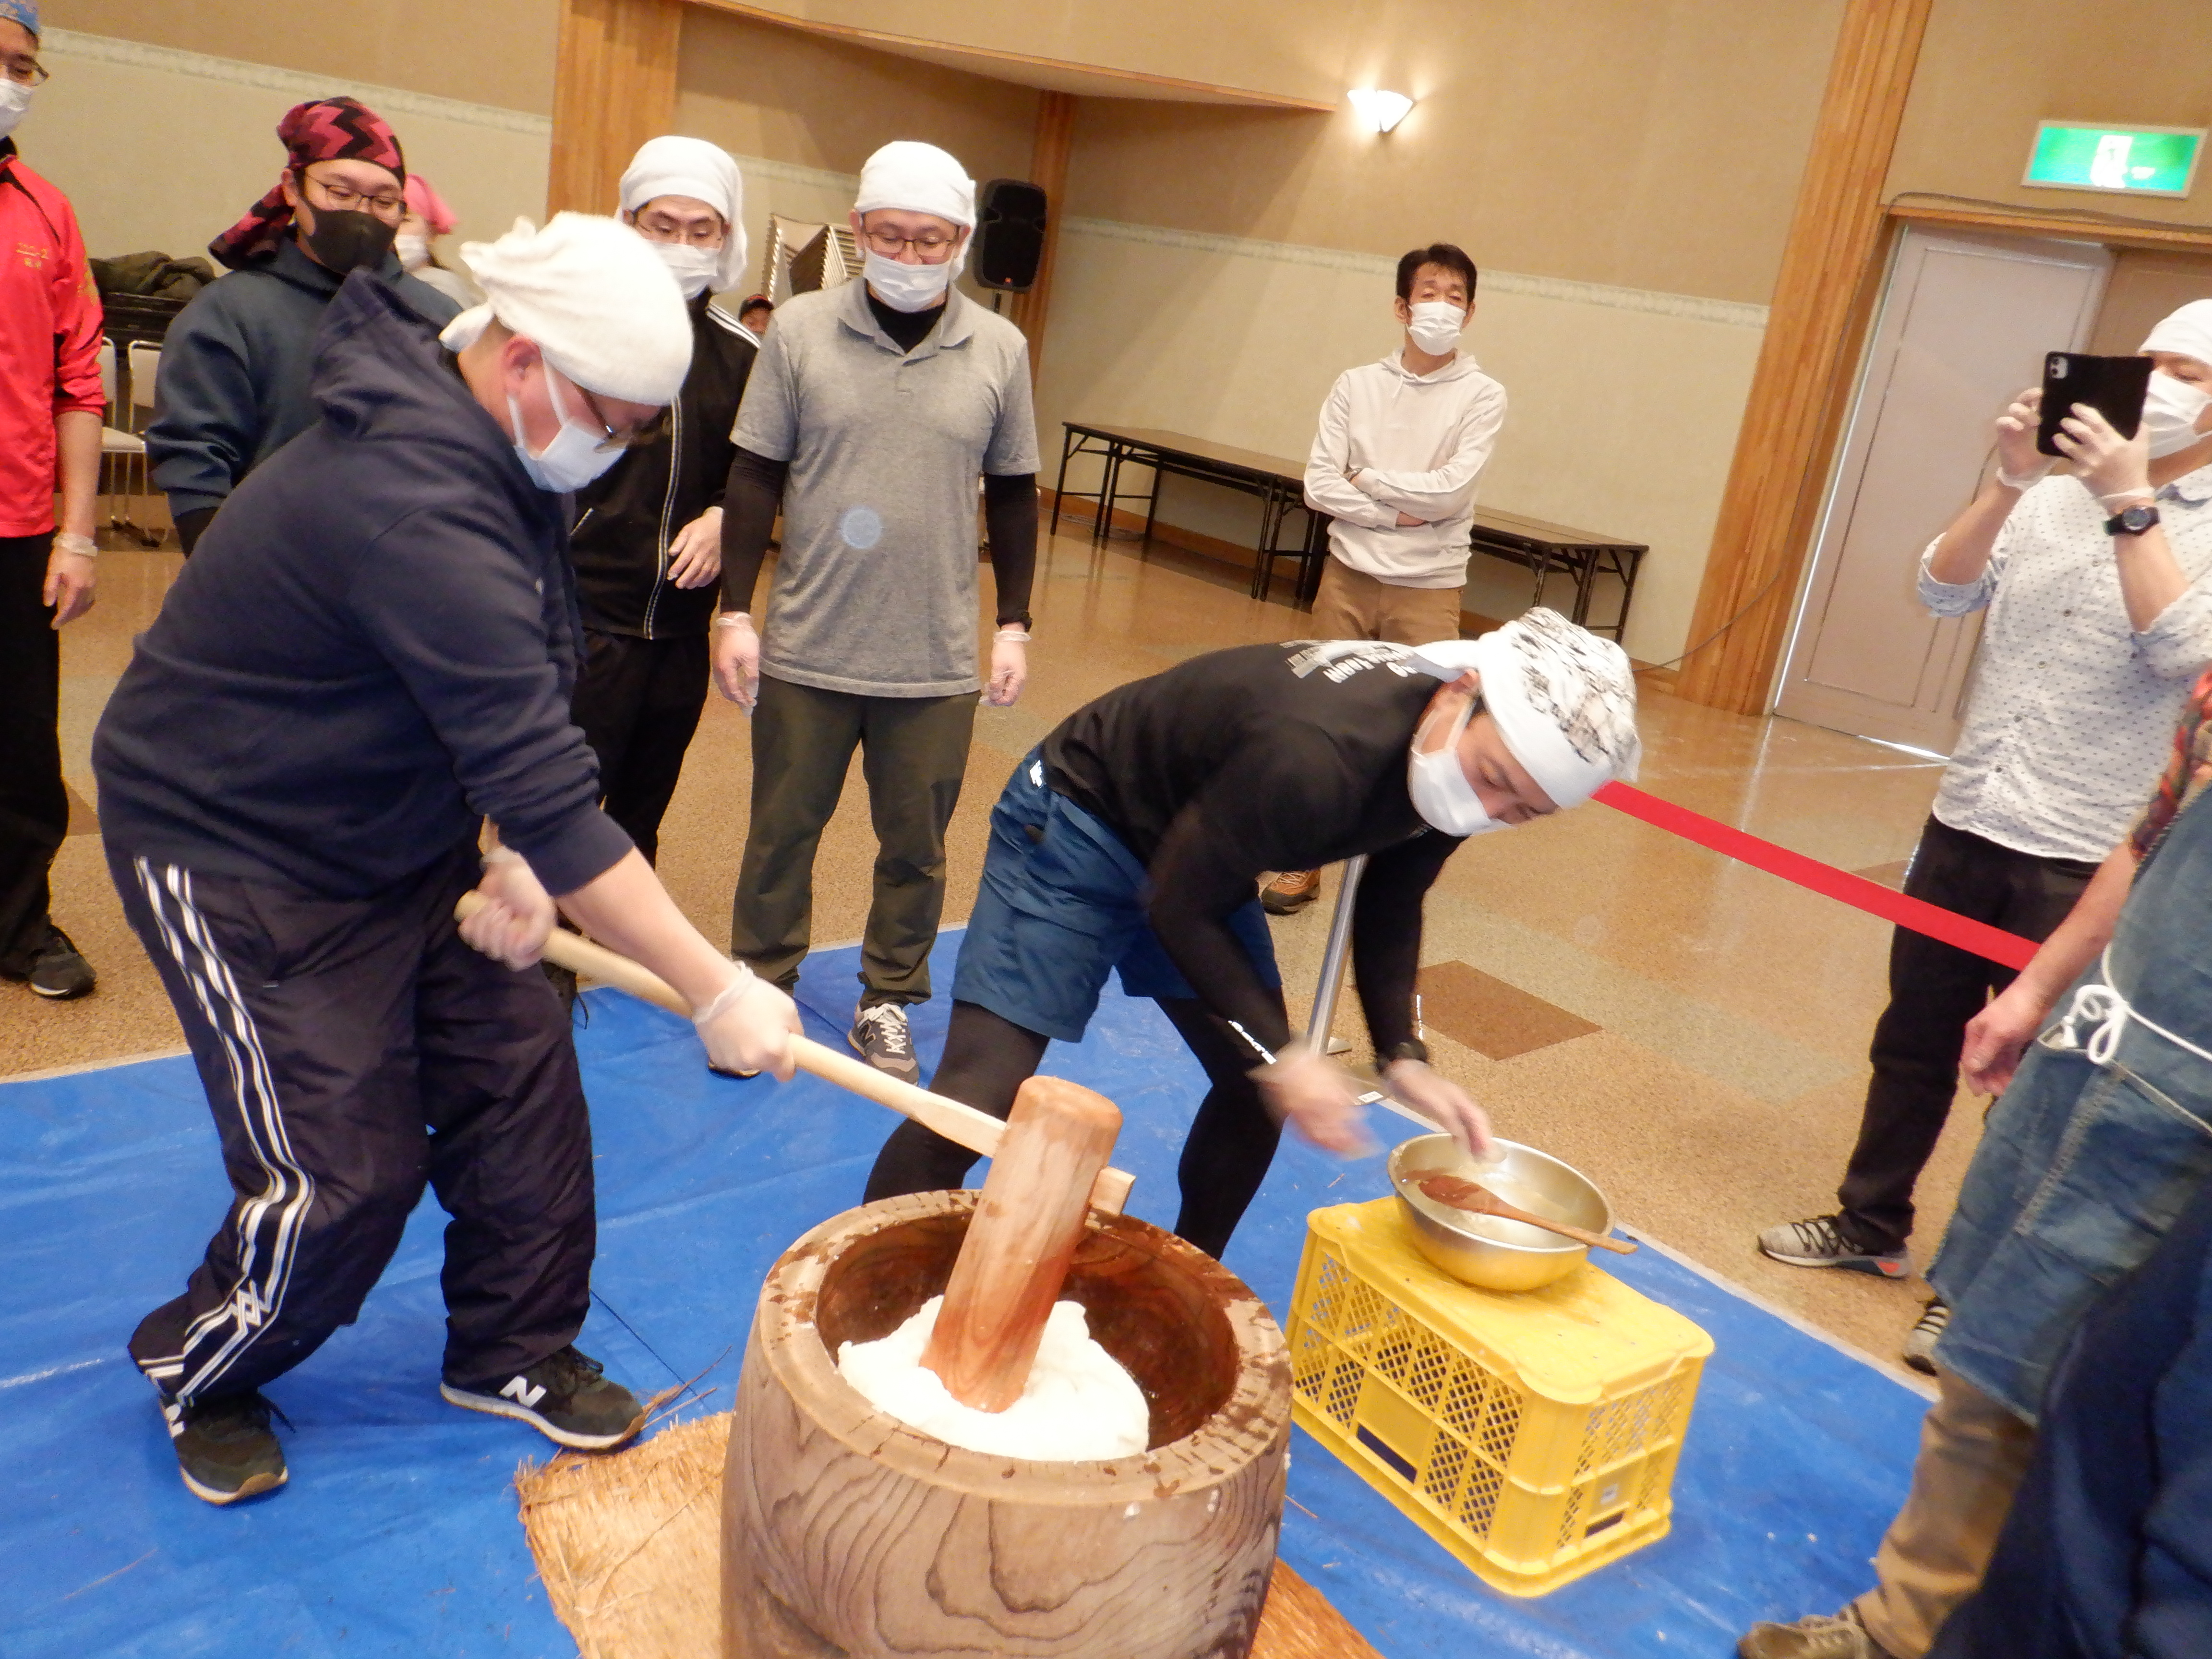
<point x="1535" y="1436"/>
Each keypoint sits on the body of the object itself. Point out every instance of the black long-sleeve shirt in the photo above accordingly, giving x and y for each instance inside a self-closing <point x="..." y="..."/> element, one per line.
<point x="1265" y="758"/>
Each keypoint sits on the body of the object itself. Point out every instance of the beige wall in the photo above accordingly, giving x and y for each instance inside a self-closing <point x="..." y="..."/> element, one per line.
<point x="1990" y="69"/>
<point x="1647" y="143"/>
<point x="482" y="52"/>
<point x="90" y="131"/>
<point x="1289" y="48"/>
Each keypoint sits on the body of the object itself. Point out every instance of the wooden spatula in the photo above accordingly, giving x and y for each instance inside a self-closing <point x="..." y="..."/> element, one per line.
<point x="1478" y="1199"/>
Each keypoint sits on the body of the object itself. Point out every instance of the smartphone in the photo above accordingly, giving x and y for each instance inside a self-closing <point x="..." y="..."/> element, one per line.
<point x="2113" y="387"/>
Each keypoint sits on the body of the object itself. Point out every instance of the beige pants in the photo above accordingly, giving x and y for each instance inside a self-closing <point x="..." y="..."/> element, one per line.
<point x="1973" y="1455"/>
<point x="1351" y="604"/>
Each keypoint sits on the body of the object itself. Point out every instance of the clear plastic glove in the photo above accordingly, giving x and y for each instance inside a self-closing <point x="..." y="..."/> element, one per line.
<point x="1320" y="1099"/>
<point x="2018" y="458"/>
<point x="748" y="1028"/>
<point x="2108" y="464"/>
<point x="1010" y="666"/>
<point x="1996" y="1038"/>
<point x="695" y="552"/>
<point x="736" y="658"/>
<point x="518" y="913"/>
<point x="1442" y="1101"/>
<point x="72" y="573"/>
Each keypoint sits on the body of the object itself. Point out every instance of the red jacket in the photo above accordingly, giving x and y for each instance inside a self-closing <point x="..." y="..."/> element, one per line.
<point x="48" y="340"/>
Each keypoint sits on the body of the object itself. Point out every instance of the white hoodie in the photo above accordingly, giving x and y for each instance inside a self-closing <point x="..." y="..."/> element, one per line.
<point x="1419" y="443"/>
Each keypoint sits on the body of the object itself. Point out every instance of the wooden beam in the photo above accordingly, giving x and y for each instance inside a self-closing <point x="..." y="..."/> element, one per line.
<point x="2114" y="230"/>
<point x="1830" y="264"/>
<point x="1048" y="154"/>
<point x="614" y="86"/>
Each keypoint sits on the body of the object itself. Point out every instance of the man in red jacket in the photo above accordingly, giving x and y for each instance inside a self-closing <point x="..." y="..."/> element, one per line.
<point x="49" y="415"/>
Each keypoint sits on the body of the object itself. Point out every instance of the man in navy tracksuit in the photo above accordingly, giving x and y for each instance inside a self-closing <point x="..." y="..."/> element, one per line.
<point x="372" y="652"/>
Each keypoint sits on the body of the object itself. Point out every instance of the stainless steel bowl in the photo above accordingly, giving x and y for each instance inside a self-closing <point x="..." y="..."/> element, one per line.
<point x="1487" y="1250"/>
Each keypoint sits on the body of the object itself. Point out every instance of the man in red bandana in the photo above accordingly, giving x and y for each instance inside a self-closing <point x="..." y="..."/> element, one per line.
<point x="234" y="382"/>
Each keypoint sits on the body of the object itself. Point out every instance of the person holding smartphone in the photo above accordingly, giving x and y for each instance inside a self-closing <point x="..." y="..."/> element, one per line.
<point x="2088" y="656"/>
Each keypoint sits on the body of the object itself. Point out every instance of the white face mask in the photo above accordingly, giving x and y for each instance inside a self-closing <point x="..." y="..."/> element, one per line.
<point x="2170" y="410"/>
<point x="574" y="459"/>
<point x="414" y="252"/>
<point x="15" y="102"/>
<point x="906" y="288"/>
<point x="695" y="267"/>
<point x="1435" y="326"/>
<point x="1438" y="785"/>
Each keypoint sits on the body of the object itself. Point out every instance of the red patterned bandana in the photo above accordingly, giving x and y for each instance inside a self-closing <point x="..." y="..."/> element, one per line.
<point x="328" y="129"/>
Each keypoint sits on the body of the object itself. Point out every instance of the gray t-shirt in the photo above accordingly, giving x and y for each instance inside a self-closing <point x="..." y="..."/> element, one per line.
<point x="875" y="590"/>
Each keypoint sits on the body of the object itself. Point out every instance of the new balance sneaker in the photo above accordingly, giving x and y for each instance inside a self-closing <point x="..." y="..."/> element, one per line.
<point x="1920" y="1341"/>
<point x="565" y="1396"/>
<point x="1816" y="1243"/>
<point x="1820" y="1637"/>
<point x="879" y="1033"/>
<point x="226" y="1449"/>
<point x="57" y="968"/>
<point x="1290" y="892"/>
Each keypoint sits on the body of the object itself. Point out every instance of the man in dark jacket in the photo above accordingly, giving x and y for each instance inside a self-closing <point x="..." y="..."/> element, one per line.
<point x="374" y="652"/>
<point x="233" y="387"/>
<point x="647" y="534"/>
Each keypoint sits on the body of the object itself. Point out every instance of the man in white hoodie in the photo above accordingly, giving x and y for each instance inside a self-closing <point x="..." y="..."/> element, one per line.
<point x="1402" y="445"/>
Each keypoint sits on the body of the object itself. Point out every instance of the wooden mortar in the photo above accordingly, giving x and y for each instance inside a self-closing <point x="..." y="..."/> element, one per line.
<point x="847" y="1533"/>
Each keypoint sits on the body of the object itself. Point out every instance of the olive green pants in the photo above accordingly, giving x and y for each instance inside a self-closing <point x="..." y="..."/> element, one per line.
<point x="914" y="753"/>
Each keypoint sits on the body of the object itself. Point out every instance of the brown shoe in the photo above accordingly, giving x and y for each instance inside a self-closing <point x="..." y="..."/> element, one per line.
<point x="1820" y="1637"/>
<point x="1291" y="891"/>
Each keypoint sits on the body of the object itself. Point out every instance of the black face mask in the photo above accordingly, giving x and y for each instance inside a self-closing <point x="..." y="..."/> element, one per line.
<point x="347" y="239"/>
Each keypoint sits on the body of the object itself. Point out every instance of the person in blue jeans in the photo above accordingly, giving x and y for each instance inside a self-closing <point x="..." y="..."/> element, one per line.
<point x="2100" y="1140"/>
<point x="1131" y="838"/>
<point x="2107" y="1553"/>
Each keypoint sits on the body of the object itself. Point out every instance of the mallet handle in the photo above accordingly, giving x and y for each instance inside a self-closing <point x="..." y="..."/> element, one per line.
<point x="979" y="1132"/>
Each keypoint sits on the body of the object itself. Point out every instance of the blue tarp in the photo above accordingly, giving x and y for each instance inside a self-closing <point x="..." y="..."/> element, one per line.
<point x="398" y="1533"/>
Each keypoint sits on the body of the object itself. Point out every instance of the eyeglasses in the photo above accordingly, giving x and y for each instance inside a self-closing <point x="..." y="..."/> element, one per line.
<point x="699" y="234"/>
<point x="388" y="205"/>
<point x="26" y="71"/>
<point x="934" y="250"/>
<point x="613" y="439"/>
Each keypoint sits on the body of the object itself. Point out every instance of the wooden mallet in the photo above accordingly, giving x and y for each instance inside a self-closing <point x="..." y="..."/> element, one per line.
<point x="979" y="1132"/>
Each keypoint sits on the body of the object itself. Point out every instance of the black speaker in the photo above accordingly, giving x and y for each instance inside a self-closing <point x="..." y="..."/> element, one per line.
<point x="1010" y="235"/>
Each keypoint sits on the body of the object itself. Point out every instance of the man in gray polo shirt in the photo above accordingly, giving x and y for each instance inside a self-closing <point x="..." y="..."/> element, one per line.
<point x="874" y="408"/>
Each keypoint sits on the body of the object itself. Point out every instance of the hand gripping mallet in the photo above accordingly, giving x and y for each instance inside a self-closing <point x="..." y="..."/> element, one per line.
<point x="979" y="1132"/>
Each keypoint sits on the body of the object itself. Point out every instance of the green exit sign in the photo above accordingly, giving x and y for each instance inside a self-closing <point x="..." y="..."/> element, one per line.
<point x="2134" y="161"/>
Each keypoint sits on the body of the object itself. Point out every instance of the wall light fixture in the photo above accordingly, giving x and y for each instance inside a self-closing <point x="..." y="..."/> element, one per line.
<point x="1380" y="109"/>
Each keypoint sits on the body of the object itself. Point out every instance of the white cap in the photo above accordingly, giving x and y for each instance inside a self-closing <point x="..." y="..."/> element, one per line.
<point x="672" y="166"/>
<point x="600" y="302"/>
<point x="917" y="177"/>
<point x="2188" y="331"/>
<point x="1563" y="698"/>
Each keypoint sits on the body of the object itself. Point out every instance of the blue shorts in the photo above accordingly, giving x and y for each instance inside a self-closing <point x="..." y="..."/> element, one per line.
<point x="1062" y="906"/>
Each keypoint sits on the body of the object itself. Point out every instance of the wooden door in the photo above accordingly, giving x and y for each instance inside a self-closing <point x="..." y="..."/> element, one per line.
<point x="2146" y="284"/>
<point x="1964" y="323"/>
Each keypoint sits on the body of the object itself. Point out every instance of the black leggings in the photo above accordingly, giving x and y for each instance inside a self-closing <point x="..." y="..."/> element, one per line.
<point x="987" y="1058"/>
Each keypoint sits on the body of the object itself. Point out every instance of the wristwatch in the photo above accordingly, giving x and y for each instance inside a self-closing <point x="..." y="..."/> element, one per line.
<point x="1411" y="1048"/>
<point x="2131" y="521"/>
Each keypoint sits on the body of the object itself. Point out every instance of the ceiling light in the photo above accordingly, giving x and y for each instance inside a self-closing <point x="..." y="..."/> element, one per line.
<point x="1380" y="110"/>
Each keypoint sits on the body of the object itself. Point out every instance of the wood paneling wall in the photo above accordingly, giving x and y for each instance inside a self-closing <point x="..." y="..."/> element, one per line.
<point x="1830" y="267"/>
<point x="614" y="86"/>
<point x="1055" y="138"/>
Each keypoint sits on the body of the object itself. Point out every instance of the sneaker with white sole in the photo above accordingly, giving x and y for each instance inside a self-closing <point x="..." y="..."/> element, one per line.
<point x="1920" y="1341"/>
<point x="1822" y="1636"/>
<point x="881" y="1035"/>
<point x="225" y="1449"/>
<point x="565" y="1396"/>
<point x="1816" y="1243"/>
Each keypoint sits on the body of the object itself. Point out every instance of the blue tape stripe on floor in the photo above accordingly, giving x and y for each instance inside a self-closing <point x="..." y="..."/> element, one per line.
<point x="398" y="1533"/>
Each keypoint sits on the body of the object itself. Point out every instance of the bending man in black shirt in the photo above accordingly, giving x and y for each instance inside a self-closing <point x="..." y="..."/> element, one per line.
<point x="1133" y="836"/>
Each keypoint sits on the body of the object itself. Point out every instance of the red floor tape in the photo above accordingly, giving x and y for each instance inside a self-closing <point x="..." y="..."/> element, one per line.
<point x="1921" y="917"/>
